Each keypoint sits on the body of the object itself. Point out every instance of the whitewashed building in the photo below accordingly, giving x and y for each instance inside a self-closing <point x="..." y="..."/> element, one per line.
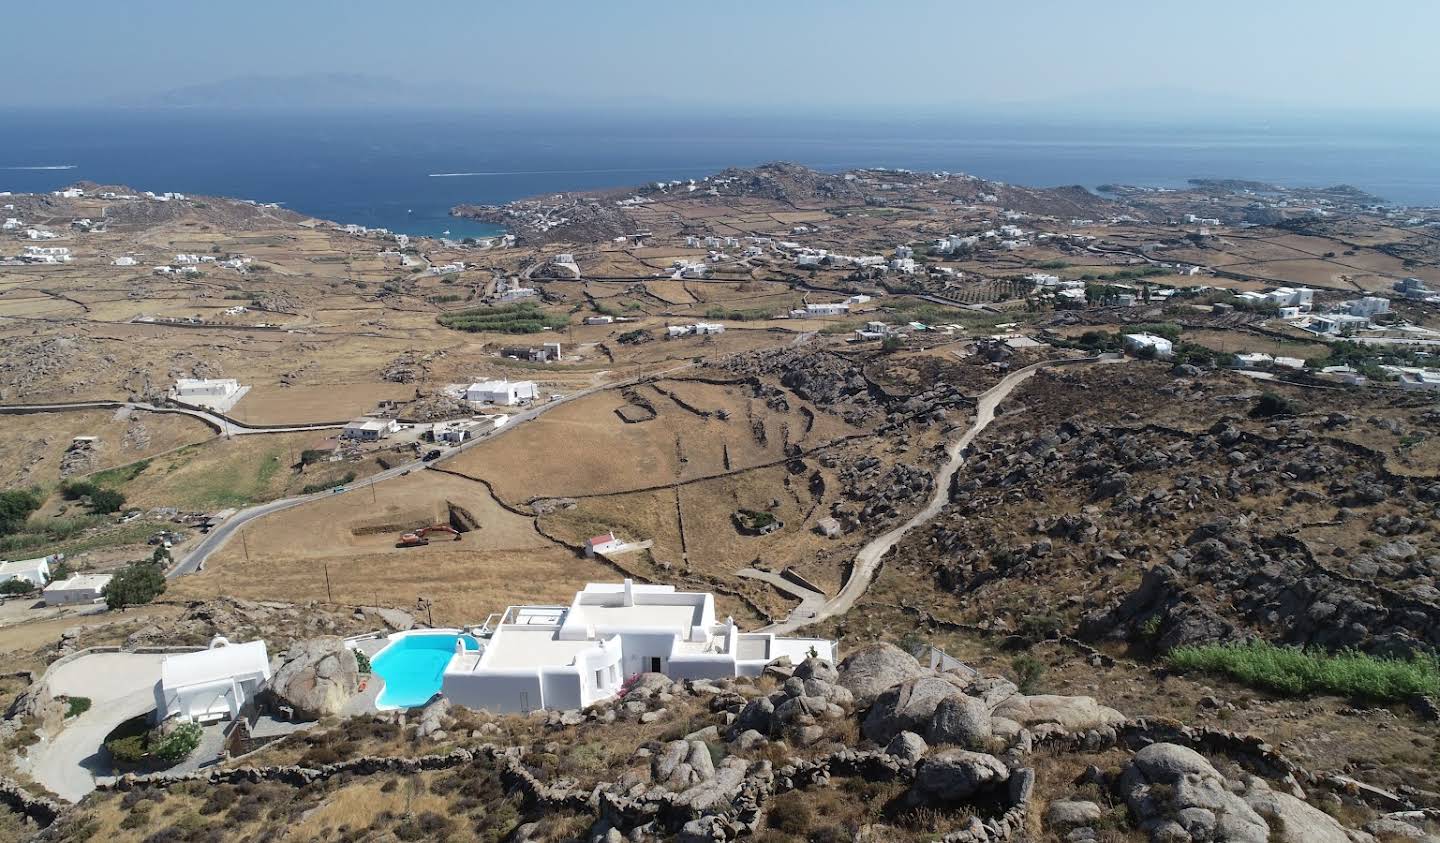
<point x="123" y="260"/>
<point x="369" y="429"/>
<point x="212" y="684"/>
<point x="502" y="393"/>
<point x="77" y="588"/>
<point x="1157" y="345"/>
<point x="205" y="388"/>
<point x="564" y="657"/>
<point x="46" y="254"/>
<point x="827" y="309"/>
<point x="34" y="571"/>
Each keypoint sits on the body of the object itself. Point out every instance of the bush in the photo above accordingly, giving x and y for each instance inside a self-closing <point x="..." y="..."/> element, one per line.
<point x="106" y="500"/>
<point x="1028" y="672"/>
<point x="15" y="506"/>
<point x="789" y="814"/>
<point x="16" y="585"/>
<point x="1271" y="404"/>
<point x="135" y="585"/>
<point x="363" y="661"/>
<point x="1294" y="672"/>
<point x="176" y="746"/>
<point x="76" y="706"/>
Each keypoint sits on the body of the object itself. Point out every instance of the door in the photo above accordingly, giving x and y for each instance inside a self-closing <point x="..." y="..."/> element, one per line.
<point x="655" y="665"/>
<point x="524" y="702"/>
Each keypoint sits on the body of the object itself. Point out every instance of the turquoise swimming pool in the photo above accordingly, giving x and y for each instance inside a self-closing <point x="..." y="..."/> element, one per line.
<point x="413" y="667"/>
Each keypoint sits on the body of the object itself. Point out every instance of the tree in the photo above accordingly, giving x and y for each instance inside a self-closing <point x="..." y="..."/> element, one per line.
<point x="16" y="585"/>
<point x="891" y="343"/>
<point x="106" y="500"/>
<point x="15" y="506"/>
<point x="135" y="585"/>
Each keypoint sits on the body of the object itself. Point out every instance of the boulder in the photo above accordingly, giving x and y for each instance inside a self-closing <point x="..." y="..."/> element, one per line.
<point x="1292" y="820"/>
<point x="1068" y="813"/>
<point x="1175" y="794"/>
<point x="953" y="775"/>
<point x="316" y="678"/>
<point x="907" y="746"/>
<point x="960" y="720"/>
<point x="871" y="670"/>
<point x="908" y="706"/>
<point x="682" y="764"/>
<point x="1073" y="714"/>
<point x="647" y="685"/>
<point x="816" y="668"/>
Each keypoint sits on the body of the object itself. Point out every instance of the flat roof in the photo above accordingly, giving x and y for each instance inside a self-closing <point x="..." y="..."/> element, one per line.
<point x="79" y="581"/>
<point x="517" y="646"/>
<point x="678" y="618"/>
<point x="23" y="565"/>
<point x="214" y="664"/>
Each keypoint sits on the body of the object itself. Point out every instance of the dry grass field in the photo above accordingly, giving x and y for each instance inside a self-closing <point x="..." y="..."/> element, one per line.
<point x="505" y="561"/>
<point x="315" y="403"/>
<point x="32" y="446"/>
<point x="604" y="454"/>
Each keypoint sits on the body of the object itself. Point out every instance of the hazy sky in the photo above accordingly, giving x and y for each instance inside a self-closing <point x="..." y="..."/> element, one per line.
<point x="913" y="55"/>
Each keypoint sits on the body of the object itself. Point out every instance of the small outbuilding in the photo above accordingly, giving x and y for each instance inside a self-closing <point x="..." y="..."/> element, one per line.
<point x="77" y="588"/>
<point x="212" y="684"/>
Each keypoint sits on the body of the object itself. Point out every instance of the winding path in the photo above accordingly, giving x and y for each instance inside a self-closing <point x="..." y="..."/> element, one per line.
<point x="221" y="424"/>
<point x="867" y="561"/>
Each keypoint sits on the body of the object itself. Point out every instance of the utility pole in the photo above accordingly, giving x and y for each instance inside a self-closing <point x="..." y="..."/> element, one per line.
<point x="245" y="543"/>
<point x="328" y="594"/>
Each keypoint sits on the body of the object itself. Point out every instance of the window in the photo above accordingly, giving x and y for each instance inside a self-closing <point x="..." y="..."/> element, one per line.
<point x="614" y="673"/>
<point x="600" y="678"/>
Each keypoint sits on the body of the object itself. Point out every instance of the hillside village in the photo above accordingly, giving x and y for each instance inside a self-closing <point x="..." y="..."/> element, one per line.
<point x="775" y="504"/>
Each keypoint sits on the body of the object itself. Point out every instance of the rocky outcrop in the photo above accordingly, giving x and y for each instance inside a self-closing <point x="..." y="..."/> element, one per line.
<point x="871" y="670"/>
<point x="316" y="678"/>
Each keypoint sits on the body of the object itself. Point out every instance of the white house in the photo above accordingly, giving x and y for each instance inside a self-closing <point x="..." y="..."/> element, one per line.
<point x="369" y="430"/>
<point x="77" y="588"/>
<point x="205" y="388"/>
<point x="603" y="543"/>
<point x="123" y="260"/>
<point x="1255" y="360"/>
<point x="1367" y="306"/>
<point x="504" y="393"/>
<point x="1159" y="346"/>
<point x="564" y="657"/>
<point x="858" y="298"/>
<point x="212" y="684"/>
<point x="34" y="571"/>
<point x="455" y="432"/>
<point x="46" y="254"/>
<point x="827" y="309"/>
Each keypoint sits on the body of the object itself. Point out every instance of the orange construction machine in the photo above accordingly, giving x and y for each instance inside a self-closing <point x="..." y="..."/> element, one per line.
<point x="422" y="535"/>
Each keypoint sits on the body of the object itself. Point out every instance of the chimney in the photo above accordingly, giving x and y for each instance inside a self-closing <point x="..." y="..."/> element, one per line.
<point x="629" y="592"/>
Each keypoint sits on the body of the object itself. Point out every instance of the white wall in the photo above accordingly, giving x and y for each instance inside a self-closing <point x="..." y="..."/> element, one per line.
<point x="504" y="691"/>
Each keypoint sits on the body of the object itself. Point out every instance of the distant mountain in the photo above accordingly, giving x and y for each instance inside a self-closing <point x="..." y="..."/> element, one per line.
<point x="313" y="90"/>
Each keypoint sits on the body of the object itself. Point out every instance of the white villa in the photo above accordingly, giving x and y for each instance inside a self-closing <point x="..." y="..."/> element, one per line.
<point x="212" y="684"/>
<point x="505" y="393"/>
<point x="77" y="588"/>
<point x="34" y="571"/>
<point x="827" y="309"/>
<point x="563" y="657"/>
<point x="46" y="254"/>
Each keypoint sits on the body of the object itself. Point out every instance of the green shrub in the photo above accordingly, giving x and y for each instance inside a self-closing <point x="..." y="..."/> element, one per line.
<point x="76" y="706"/>
<point x="177" y="746"/>
<point x="1028" y="673"/>
<point x="1271" y="404"/>
<point x="136" y="584"/>
<point x="106" y="500"/>
<point x="1290" y="671"/>
<point x="16" y="585"/>
<point x="15" y="506"/>
<point x="362" y="661"/>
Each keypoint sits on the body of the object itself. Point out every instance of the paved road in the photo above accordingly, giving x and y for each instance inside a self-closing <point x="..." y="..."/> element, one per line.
<point x="811" y="602"/>
<point x="225" y="426"/>
<point x="195" y="558"/>
<point x="867" y="561"/>
<point x="120" y="686"/>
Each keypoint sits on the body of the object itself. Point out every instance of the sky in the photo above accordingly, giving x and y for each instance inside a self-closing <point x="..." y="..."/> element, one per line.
<point x="799" y="56"/>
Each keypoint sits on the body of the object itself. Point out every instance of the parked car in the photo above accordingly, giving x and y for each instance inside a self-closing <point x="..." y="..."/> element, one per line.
<point x="432" y="455"/>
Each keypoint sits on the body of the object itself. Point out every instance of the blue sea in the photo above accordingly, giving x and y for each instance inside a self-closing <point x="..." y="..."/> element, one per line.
<point x="404" y="170"/>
